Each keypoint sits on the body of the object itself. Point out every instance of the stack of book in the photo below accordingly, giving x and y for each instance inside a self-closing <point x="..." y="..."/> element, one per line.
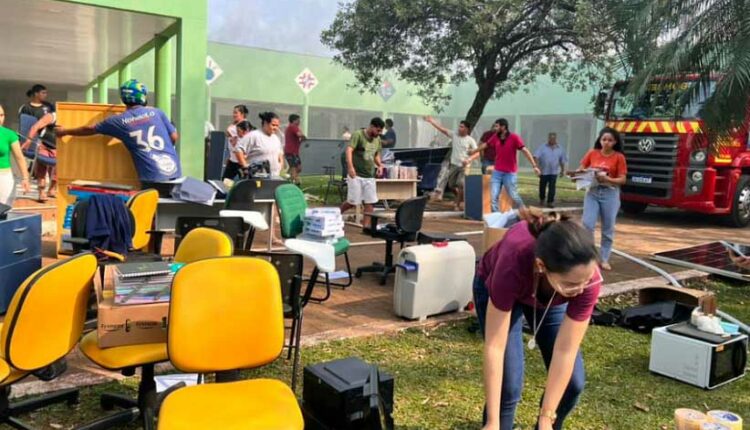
<point x="138" y="283"/>
<point x="323" y="225"/>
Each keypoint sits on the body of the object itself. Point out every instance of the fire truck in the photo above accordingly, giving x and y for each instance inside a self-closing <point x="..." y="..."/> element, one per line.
<point x="671" y="161"/>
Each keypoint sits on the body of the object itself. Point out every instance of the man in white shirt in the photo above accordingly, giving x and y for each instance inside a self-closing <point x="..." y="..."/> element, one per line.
<point x="461" y="146"/>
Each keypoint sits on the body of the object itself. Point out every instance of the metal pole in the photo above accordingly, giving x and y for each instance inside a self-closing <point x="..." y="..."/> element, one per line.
<point x="305" y="113"/>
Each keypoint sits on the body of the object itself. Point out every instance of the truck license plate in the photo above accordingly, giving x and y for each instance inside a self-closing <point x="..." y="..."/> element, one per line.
<point x="641" y="179"/>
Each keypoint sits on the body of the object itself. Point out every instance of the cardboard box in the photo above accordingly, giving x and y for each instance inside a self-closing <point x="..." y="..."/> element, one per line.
<point x="706" y="300"/>
<point x="491" y="236"/>
<point x="120" y="325"/>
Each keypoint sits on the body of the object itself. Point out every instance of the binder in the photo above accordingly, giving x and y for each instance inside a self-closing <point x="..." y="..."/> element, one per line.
<point x="142" y="270"/>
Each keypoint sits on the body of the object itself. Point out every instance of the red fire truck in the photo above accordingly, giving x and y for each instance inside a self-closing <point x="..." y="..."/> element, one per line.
<point x="671" y="162"/>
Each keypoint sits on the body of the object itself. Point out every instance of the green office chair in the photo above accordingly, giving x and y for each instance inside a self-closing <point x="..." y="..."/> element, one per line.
<point x="292" y="205"/>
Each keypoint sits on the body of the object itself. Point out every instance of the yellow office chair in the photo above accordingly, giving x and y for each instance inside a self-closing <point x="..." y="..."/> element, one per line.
<point x="143" y="207"/>
<point x="240" y="328"/>
<point x="43" y="323"/>
<point x="198" y="244"/>
<point x="203" y="242"/>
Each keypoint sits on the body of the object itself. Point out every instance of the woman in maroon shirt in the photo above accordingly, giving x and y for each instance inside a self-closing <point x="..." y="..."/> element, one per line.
<point x="546" y="271"/>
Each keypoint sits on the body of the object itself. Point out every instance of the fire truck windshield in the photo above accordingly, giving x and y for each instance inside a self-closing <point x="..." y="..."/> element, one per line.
<point x="662" y="100"/>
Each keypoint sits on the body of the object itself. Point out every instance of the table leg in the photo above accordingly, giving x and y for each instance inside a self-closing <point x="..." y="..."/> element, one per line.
<point x="271" y="226"/>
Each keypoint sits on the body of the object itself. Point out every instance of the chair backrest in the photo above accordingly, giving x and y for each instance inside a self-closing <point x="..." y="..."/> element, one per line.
<point x="242" y="195"/>
<point x="45" y="318"/>
<point x="203" y="242"/>
<point x="143" y="207"/>
<point x="241" y="327"/>
<point x="289" y="268"/>
<point x="235" y="227"/>
<point x="292" y="205"/>
<point x="410" y="213"/>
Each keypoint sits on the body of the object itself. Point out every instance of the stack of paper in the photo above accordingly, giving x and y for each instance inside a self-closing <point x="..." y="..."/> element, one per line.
<point x="323" y="225"/>
<point x="585" y="179"/>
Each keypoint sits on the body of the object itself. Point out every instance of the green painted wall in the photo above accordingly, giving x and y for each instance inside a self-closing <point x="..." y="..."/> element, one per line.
<point x="190" y="62"/>
<point x="266" y="76"/>
<point x="269" y="76"/>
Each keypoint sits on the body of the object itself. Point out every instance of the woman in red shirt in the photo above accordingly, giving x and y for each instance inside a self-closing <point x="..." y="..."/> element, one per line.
<point x="602" y="200"/>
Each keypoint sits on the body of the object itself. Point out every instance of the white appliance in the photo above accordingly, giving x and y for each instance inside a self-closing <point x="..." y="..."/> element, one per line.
<point x="433" y="279"/>
<point x="682" y="352"/>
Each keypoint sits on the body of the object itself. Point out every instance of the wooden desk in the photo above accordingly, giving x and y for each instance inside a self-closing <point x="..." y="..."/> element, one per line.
<point x="396" y="189"/>
<point x="392" y="189"/>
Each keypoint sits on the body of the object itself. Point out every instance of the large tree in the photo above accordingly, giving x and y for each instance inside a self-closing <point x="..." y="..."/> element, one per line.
<point x="502" y="45"/>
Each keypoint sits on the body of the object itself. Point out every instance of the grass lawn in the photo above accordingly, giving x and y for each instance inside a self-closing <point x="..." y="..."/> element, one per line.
<point x="438" y="375"/>
<point x="528" y="187"/>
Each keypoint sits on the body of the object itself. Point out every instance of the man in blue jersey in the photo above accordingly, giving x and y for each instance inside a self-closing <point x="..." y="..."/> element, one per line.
<point x="146" y="132"/>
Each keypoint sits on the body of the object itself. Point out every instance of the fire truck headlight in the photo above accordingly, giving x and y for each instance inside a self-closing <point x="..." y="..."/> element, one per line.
<point x="696" y="176"/>
<point x="698" y="156"/>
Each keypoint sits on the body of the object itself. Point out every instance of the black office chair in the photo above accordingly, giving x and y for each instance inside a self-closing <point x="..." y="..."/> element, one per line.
<point x="241" y="197"/>
<point x="289" y="266"/>
<point x="235" y="227"/>
<point x="408" y="223"/>
<point x="333" y="181"/>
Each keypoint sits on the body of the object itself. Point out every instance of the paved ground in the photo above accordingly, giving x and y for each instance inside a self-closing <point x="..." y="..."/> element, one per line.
<point x="366" y="307"/>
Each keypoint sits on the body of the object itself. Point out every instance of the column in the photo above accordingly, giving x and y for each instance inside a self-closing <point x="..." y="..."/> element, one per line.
<point x="163" y="74"/>
<point x="123" y="74"/>
<point x="305" y="114"/>
<point x="103" y="90"/>
<point x="89" y="94"/>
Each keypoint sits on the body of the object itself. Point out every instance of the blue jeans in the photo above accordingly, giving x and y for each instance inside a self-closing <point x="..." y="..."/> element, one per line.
<point x="514" y="357"/>
<point x="507" y="180"/>
<point x="602" y="203"/>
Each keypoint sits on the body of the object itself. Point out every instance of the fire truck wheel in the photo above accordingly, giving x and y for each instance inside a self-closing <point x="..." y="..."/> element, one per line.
<point x="634" y="208"/>
<point x="740" y="216"/>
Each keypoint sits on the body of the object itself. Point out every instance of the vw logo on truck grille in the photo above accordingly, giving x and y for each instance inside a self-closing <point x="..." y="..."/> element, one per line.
<point x="646" y="145"/>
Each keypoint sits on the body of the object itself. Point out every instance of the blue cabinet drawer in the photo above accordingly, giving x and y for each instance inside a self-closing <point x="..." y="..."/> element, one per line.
<point x="11" y="277"/>
<point x="20" y="239"/>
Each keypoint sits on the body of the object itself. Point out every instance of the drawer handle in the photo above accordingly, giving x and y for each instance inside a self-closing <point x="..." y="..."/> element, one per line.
<point x="20" y="230"/>
<point x="21" y="251"/>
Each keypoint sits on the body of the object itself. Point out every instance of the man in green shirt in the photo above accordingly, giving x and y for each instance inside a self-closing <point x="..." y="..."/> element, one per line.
<point x="363" y="162"/>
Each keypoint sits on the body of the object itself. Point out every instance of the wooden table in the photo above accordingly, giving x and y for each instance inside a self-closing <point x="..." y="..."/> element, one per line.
<point x="396" y="189"/>
<point x="392" y="189"/>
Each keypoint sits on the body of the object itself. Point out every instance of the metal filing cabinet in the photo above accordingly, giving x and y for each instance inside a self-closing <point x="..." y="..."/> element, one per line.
<point x="20" y="253"/>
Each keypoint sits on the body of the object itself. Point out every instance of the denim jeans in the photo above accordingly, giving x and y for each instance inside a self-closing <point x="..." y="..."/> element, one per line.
<point x="547" y="181"/>
<point x="507" y="180"/>
<point x="513" y="370"/>
<point x="602" y="203"/>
